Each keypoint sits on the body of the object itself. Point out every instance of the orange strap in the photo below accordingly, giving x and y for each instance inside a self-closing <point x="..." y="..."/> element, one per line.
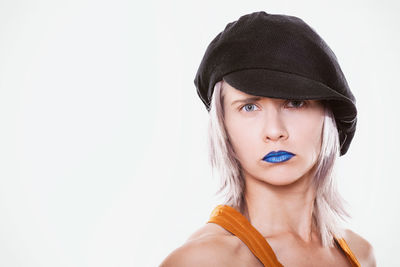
<point x="234" y="222"/>
<point x="237" y="224"/>
<point x="353" y="260"/>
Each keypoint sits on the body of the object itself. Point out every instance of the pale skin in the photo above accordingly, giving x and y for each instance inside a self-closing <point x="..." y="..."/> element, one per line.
<point x="279" y="197"/>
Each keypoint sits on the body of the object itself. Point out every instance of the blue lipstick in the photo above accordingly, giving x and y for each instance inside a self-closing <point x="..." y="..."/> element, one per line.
<point x="277" y="157"/>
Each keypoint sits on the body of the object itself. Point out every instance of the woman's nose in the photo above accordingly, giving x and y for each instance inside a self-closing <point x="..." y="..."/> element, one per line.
<point x="274" y="127"/>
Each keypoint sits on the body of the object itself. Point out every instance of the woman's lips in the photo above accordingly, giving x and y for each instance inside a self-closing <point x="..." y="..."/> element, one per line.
<point x="279" y="156"/>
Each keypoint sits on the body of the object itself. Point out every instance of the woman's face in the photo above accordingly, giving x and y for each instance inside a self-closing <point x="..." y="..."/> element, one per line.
<point x="257" y="127"/>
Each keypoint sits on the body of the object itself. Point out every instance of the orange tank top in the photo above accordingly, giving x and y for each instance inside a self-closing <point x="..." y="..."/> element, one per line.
<point x="236" y="223"/>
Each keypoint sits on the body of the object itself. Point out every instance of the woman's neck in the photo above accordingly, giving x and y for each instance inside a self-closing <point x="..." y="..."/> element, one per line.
<point x="280" y="210"/>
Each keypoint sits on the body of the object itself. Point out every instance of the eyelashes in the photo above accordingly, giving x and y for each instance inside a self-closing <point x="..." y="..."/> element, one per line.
<point x="289" y="103"/>
<point x="247" y="105"/>
<point x="302" y="102"/>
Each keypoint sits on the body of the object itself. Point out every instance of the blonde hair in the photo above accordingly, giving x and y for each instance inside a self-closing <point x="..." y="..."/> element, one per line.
<point x="328" y="204"/>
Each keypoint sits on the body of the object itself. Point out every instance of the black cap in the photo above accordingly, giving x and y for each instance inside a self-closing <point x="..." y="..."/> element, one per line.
<point x="278" y="56"/>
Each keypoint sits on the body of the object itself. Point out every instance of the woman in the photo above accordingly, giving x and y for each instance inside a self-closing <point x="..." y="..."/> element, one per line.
<point x="281" y="112"/>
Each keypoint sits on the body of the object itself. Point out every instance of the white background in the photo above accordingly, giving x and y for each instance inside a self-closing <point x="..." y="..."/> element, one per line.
<point x="103" y="158"/>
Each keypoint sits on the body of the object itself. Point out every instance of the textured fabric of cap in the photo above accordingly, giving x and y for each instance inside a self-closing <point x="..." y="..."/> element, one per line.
<point x="278" y="56"/>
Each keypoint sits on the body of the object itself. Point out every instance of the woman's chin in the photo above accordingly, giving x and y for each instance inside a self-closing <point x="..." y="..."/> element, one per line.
<point x="281" y="177"/>
<point x="282" y="181"/>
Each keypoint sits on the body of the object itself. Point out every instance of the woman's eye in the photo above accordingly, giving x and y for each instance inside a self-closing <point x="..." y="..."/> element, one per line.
<point x="248" y="105"/>
<point x="296" y="103"/>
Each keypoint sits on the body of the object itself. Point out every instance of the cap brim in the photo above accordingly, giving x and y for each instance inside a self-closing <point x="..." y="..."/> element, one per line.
<point x="276" y="84"/>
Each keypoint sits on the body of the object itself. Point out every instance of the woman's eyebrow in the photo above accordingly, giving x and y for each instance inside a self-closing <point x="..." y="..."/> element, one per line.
<point x="246" y="100"/>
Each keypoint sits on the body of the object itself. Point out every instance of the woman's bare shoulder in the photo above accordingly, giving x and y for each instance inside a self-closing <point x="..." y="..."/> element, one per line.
<point x="362" y="249"/>
<point x="210" y="230"/>
<point x="208" y="246"/>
